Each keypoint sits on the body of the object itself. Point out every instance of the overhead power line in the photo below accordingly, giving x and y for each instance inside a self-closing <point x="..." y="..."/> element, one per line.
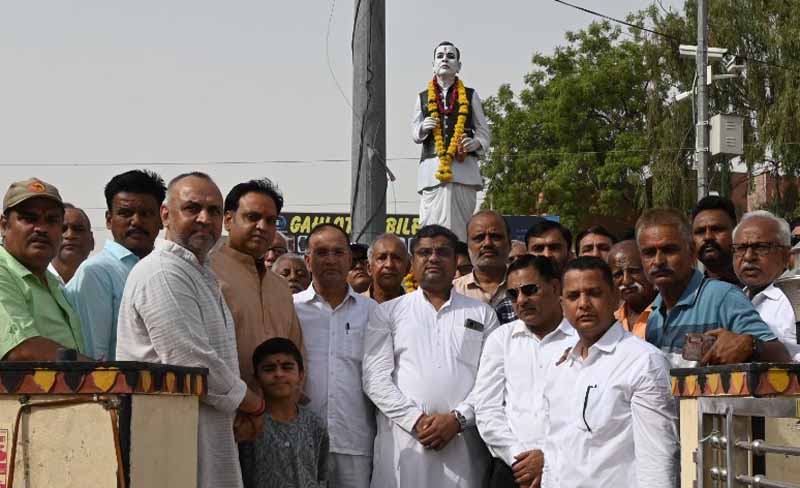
<point x="671" y="37"/>
<point x="619" y="21"/>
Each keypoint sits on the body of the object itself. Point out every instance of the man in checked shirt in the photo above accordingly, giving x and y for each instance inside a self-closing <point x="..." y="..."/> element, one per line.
<point x="489" y="241"/>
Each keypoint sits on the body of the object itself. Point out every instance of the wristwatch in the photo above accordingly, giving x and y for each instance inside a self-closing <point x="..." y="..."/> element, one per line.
<point x="462" y="421"/>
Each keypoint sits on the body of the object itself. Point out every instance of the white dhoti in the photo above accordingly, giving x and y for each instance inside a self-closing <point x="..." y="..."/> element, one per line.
<point x="449" y="205"/>
<point x="402" y="462"/>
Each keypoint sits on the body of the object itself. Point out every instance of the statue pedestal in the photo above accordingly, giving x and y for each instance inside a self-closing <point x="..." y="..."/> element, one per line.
<point x="739" y="421"/>
<point x="99" y="425"/>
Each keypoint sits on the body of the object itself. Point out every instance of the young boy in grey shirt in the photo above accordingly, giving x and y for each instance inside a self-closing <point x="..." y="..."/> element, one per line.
<point x="293" y="450"/>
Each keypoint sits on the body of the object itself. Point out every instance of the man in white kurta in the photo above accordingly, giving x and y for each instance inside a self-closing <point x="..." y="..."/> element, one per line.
<point x="449" y="204"/>
<point x="421" y="356"/>
<point x="173" y="312"/>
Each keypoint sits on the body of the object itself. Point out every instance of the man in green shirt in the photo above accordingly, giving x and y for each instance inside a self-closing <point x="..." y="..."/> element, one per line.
<point x="35" y="317"/>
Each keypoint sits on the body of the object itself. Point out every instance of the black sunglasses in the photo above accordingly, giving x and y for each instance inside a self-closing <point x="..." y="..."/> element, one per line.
<point x="527" y="290"/>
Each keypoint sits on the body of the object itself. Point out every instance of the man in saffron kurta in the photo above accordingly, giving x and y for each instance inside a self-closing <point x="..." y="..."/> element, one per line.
<point x="260" y="301"/>
<point x="173" y="312"/>
<point x="449" y="203"/>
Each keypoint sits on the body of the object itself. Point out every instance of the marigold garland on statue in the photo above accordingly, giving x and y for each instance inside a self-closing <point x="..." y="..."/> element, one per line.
<point x="445" y="171"/>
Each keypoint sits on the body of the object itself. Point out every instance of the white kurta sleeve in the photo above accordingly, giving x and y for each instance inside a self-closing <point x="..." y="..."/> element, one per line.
<point x="482" y="132"/>
<point x="168" y="305"/>
<point x="416" y="123"/>
<point x="655" y="433"/>
<point x="489" y="394"/>
<point x="378" y="366"/>
<point x="467" y="407"/>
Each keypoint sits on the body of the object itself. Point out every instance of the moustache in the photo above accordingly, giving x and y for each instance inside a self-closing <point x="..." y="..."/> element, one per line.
<point x="661" y="270"/>
<point x="135" y="231"/>
<point x="711" y="245"/>
<point x="635" y="287"/>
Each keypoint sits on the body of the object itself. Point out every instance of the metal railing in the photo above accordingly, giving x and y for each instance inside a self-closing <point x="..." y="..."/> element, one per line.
<point x="718" y="450"/>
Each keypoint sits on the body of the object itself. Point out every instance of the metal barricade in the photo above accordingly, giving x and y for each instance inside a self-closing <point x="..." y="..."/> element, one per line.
<point x="740" y="425"/>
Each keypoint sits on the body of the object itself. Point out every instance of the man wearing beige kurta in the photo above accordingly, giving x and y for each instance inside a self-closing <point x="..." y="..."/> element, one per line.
<point x="260" y="301"/>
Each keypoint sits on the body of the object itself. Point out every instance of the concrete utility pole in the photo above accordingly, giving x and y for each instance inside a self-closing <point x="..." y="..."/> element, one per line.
<point x="701" y="136"/>
<point x="368" y="162"/>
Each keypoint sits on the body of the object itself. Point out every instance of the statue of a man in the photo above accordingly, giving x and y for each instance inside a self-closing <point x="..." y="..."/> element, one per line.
<point x="450" y="124"/>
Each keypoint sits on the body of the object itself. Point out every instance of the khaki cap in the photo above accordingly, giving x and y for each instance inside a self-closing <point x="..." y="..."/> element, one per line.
<point x="20" y="191"/>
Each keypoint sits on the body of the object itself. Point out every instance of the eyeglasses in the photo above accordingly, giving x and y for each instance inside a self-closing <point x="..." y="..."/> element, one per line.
<point x="528" y="290"/>
<point x="795" y="240"/>
<point x="760" y="249"/>
<point x="428" y="252"/>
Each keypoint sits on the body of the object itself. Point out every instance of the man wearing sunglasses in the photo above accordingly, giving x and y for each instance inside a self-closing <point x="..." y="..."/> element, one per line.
<point x="511" y="377"/>
<point x="760" y="254"/>
<point x="358" y="277"/>
<point x="421" y="355"/>
<point x="610" y="414"/>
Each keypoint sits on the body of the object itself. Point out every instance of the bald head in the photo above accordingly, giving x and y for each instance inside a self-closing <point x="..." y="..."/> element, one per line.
<point x="192" y="214"/>
<point x="488" y="241"/>
<point x="628" y="274"/>
<point x="622" y="249"/>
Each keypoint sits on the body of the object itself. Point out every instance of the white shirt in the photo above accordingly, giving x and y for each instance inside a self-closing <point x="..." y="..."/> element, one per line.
<point x="466" y="172"/>
<point x="510" y="387"/>
<point x="632" y="437"/>
<point x="334" y="341"/>
<point x="418" y="360"/>
<point x="776" y="310"/>
<point x="53" y="270"/>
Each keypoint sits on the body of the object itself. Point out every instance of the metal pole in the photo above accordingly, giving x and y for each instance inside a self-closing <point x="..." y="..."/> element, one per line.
<point x="368" y="162"/>
<point x="701" y="137"/>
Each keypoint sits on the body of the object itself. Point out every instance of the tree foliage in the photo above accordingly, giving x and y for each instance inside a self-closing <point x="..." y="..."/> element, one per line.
<point x="595" y="129"/>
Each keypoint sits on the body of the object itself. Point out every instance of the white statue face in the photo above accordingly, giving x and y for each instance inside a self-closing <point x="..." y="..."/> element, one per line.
<point x="445" y="61"/>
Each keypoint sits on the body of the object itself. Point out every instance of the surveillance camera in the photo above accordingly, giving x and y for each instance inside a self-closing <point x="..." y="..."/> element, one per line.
<point x="683" y="96"/>
<point x="734" y="64"/>
<point x="689" y="51"/>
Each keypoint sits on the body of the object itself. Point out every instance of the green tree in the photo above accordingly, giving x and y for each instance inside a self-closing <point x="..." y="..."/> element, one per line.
<point x="589" y="121"/>
<point x="594" y="128"/>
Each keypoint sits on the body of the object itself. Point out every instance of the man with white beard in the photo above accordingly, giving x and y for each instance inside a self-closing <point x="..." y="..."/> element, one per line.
<point x="450" y="124"/>
<point x="636" y="292"/>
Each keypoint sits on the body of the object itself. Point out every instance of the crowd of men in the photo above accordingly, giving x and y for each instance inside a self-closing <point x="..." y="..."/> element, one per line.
<point x="512" y="364"/>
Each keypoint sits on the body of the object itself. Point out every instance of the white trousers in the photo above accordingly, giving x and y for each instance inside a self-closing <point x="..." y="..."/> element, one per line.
<point x="449" y="205"/>
<point x="349" y="471"/>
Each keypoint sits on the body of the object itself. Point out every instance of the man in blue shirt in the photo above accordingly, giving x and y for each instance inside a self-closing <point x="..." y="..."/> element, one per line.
<point x="134" y="199"/>
<point x="689" y="302"/>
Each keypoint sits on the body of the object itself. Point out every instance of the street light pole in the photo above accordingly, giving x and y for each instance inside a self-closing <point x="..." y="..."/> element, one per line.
<point x="701" y="129"/>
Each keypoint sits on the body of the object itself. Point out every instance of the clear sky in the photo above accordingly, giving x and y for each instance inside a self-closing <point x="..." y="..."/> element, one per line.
<point x="91" y="88"/>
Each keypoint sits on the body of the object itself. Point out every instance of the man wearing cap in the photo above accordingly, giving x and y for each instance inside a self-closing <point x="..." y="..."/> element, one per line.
<point x="35" y="317"/>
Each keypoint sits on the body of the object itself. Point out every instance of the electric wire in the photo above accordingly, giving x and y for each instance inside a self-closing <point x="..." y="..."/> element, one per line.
<point x="671" y="37"/>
